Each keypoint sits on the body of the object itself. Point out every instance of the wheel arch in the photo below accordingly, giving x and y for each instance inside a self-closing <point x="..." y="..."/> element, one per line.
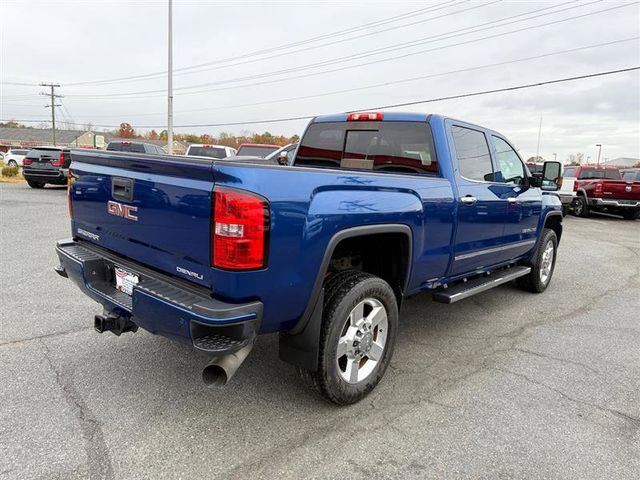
<point x="299" y="346"/>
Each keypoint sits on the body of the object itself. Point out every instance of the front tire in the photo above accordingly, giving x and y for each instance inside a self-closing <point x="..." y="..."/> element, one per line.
<point x="357" y="339"/>
<point x="33" y="184"/>
<point x="12" y="163"/>
<point x="542" y="264"/>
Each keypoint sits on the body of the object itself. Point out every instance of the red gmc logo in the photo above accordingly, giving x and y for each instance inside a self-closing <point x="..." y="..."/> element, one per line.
<point x="122" y="210"/>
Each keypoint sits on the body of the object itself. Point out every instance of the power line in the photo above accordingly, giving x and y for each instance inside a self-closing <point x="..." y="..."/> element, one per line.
<point x="338" y="33"/>
<point x="394" y="82"/>
<point x="156" y="93"/>
<point x="394" y="105"/>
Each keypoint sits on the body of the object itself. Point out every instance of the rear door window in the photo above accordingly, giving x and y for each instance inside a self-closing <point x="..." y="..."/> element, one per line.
<point x="402" y="147"/>
<point x="472" y="152"/>
<point x="569" y="172"/>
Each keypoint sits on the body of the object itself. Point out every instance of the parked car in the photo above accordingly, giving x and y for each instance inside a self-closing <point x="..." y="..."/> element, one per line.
<point x="632" y="174"/>
<point x="209" y="151"/>
<point x="14" y="157"/>
<point x="134" y="146"/>
<point x="602" y="189"/>
<point x="284" y="155"/>
<point x="46" y="164"/>
<point x="256" y="149"/>
<point x="323" y="251"/>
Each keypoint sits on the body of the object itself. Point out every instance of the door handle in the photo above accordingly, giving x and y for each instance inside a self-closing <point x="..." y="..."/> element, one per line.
<point x="468" y="200"/>
<point x="512" y="200"/>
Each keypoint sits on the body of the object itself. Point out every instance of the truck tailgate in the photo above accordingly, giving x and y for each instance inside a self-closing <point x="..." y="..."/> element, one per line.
<point x="154" y="210"/>
<point x="621" y="189"/>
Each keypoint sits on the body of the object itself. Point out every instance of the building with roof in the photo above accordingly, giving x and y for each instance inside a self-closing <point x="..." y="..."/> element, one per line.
<point x="624" y="162"/>
<point x="11" y="137"/>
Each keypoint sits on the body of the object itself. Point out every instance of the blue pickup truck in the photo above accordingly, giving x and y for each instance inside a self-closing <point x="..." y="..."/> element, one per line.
<point x="376" y="207"/>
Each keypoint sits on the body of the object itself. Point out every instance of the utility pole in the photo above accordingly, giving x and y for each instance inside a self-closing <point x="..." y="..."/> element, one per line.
<point x="539" y="134"/>
<point x="52" y="105"/>
<point x="170" y="85"/>
<point x="555" y="157"/>
<point x="599" y="145"/>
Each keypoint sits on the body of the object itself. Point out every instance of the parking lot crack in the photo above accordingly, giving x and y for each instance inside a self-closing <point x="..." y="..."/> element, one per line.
<point x="557" y="359"/>
<point x="40" y="337"/>
<point x="99" y="462"/>
<point x="635" y="421"/>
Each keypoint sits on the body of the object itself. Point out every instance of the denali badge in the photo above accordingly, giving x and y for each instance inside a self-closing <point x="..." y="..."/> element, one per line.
<point x="189" y="272"/>
<point x="122" y="210"/>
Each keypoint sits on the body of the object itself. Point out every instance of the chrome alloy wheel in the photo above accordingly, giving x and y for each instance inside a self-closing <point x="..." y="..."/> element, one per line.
<point x="362" y="341"/>
<point x="547" y="263"/>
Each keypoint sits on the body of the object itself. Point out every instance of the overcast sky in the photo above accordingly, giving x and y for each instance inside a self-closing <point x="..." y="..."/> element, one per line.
<point x="99" y="41"/>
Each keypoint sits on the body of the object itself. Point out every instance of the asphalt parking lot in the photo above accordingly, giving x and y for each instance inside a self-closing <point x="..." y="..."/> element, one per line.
<point x="504" y="385"/>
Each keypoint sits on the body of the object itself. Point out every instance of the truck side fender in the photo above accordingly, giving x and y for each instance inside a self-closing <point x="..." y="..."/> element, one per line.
<point x="300" y="345"/>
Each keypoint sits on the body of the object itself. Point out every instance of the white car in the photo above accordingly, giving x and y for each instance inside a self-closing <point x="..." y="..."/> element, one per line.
<point x="14" y="157"/>
<point x="209" y="151"/>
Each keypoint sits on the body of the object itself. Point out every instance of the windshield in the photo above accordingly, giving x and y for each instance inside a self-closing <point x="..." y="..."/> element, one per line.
<point x="211" y="152"/>
<point x="258" y="150"/>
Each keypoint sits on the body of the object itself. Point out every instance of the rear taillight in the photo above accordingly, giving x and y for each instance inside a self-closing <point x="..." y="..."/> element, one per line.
<point x="575" y="185"/>
<point x="240" y="224"/>
<point x="363" y="116"/>
<point x="27" y="161"/>
<point x="60" y="161"/>
<point x="598" y="187"/>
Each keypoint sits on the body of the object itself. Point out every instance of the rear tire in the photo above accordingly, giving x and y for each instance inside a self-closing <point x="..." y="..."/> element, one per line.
<point x="12" y="163"/>
<point x="631" y="215"/>
<point x="542" y="264"/>
<point x="33" y="184"/>
<point x="580" y="206"/>
<point x="357" y="338"/>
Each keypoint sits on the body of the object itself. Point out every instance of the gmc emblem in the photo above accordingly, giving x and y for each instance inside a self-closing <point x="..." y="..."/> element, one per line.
<point x="122" y="210"/>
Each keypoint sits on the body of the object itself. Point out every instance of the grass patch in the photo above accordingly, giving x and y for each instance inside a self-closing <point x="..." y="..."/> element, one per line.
<point x="10" y="174"/>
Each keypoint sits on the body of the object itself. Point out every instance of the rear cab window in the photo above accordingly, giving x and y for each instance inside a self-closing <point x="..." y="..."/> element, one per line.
<point x="401" y="147"/>
<point x="593" y="173"/>
<point x="211" y="152"/>
<point x="569" y="172"/>
<point x="256" y="151"/>
<point x="126" y="147"/>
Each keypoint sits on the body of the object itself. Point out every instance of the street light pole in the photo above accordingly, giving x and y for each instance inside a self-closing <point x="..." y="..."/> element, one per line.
<point x="539" y="134"/>
<point x="599" y="145"/>
<point x="555" y="157"/>
<point x="170" y="85"/>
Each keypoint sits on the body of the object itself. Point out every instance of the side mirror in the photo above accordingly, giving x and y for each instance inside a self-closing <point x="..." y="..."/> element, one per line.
<point x="283" y="159"/>
<point x="551" y="174"/>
